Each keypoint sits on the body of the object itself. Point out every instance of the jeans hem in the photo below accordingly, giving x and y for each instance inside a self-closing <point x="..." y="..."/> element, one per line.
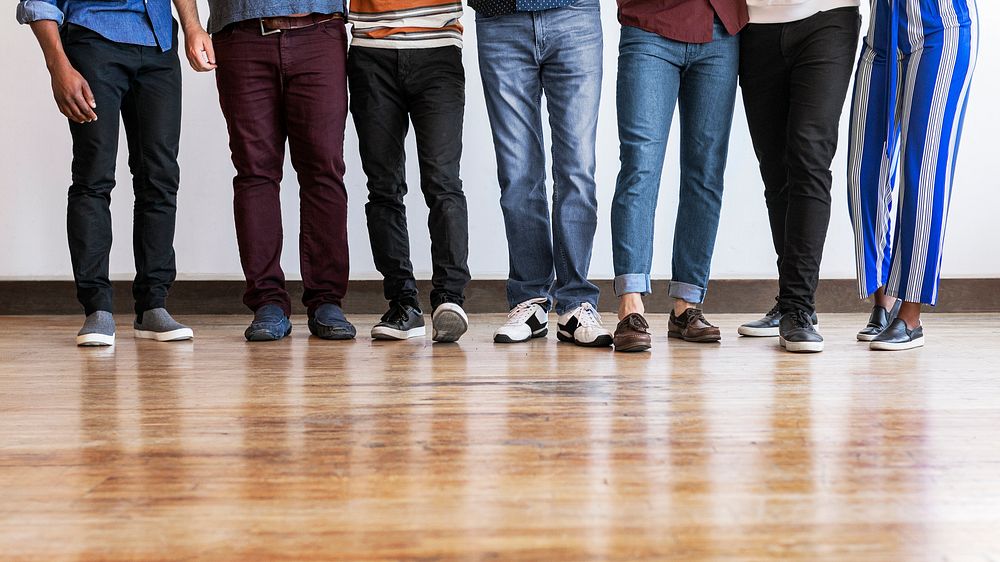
<point x="633" y="283"/>
<point x="687" y="292"/>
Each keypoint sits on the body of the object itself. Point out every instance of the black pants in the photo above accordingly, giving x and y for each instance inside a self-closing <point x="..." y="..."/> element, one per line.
<point x="794" y="78"/>
<point x="390" y="87"/>
<point x="143" y="85"/>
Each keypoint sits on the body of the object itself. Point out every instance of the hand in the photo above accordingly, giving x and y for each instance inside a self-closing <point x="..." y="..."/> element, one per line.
<point x="200" y="52"/>
<point x="73" y="95"/>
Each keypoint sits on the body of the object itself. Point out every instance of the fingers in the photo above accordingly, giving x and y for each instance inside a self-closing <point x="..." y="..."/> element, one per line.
<point x="209" y="48"/>
<point x="201" y="53"/>
<point x="86" y="98"/>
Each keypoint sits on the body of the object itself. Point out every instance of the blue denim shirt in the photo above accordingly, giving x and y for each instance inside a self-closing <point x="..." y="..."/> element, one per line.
<point x="501" y="7"/>
<point x="225" y="12"/>
<point x="135" y="22"/>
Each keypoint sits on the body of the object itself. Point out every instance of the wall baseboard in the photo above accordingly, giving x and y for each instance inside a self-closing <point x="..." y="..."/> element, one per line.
<point x="483" y="296"/>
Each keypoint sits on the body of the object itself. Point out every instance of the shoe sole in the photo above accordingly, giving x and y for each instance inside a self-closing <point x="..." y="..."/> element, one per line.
<point x="801" y="346"/>
<point x="633" y="347"/>
<point x="383" y="333"/>
<point x="95" y="340"/>
<point x="266" y="336"/>
<point x="866" y="337"/>
<point x="757" y="332"/>
<point x="702" y="339"/>
<point x="173" y="335"/>
<point x="599" y="341"/>
<point x="504" y="338"/>
<point x="886" y="346"/>
<point x="449" y="326"/>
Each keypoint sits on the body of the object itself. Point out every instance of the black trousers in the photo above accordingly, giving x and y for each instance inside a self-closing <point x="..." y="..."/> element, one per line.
<point x="794" y="78"/>
<point x="143" y="85"/>
<point x="389" y="88"/>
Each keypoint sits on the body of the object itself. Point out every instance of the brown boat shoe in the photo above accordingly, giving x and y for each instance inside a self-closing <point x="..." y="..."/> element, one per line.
<point x="632" y="334"/>
<point x="692" y="326"/>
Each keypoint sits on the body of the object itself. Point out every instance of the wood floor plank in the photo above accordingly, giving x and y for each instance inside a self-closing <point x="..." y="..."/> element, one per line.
<point x="304" y="449"/>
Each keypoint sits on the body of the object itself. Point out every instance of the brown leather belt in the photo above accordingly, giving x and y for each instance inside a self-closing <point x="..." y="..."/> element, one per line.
<point x="269" y="26"/>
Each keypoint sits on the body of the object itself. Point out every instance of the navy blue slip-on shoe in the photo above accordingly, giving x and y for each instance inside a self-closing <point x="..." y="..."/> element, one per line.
<point x="328" y="322"/>
<point x="269" y="324"/>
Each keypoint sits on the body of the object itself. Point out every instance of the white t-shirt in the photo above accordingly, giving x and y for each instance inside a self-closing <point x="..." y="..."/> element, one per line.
<point x="784" y="11"/>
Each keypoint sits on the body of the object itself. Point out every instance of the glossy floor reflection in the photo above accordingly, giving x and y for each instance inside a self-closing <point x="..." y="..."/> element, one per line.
<point x="305" y="450"/>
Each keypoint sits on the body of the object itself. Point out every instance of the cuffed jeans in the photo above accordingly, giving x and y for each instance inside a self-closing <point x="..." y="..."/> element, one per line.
<point x="287" y="86"/>
<point x="656" y="74"/>
<point x="390" y="87"/>
<point x="794" y="78"/>
<point x="522" y="56"/>
<point x="142" y="85"/>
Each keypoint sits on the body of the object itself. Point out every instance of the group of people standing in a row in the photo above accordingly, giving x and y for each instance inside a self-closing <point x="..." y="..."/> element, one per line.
<point x="283" y="71"/>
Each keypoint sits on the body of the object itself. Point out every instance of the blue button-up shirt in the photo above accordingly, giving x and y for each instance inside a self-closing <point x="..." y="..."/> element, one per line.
<point x="501" y="7"/>
<point x="135" y="22"/>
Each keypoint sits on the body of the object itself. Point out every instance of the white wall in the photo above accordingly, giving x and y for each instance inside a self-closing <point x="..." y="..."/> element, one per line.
<point x="35" y="158"/>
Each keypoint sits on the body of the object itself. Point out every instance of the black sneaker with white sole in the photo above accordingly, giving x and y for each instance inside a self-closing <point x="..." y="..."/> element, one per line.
<point x="400" y="322"/>
<point x="525" y="321"/>
<point x="878" y="321"/>
<point x="582" y="326"/>
<point x="767" y="327"/>
<point x="898" y="337"/>
<point x="797" y="333"/>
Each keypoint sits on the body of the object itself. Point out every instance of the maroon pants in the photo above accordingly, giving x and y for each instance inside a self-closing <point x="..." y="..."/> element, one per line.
<point x="287" y="86"/>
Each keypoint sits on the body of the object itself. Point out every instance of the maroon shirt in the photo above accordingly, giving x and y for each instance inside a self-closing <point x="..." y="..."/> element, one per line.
<point x="688" y="21"/>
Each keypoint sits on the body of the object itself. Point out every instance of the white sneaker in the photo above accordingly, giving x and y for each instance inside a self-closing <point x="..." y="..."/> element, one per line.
<point x="525" y="321"/>
<point x="449" y="321"/>
<point x="582" y="326"/>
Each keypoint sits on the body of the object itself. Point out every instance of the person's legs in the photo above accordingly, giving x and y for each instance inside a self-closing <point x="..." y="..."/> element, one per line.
<point x="649" y="69"/>
<point x="249" y="79"/>
<point x="108" y="68"/>
<point x="871" y="158"/>
<point x="315" y="96"/>
<point x="764" y="80"/>
<point x="435" y="86"/>
<point x="151" y="111"/>
<point x="512" y="83"/>
<point x="380" y="118"/>
<point x="707" y="99"/>
<point x="935" y="93"/>
<point x="822" y="50"/>
<point x="571" y="77"/>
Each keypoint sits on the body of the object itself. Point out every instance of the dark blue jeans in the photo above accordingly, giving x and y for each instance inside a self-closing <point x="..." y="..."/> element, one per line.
<point x="140" y="86"/>
<point x="656" y="74"/>
<point x="521" y="57"/>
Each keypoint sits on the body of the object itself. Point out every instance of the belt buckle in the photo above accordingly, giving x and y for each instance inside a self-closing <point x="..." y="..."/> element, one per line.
<point x="265" y="32"/>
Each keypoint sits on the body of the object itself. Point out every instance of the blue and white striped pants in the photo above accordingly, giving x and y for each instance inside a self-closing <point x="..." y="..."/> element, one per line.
<point x="906" y="122"/>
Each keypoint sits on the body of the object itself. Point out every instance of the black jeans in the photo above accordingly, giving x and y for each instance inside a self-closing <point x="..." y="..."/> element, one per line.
<point x="390" y="87"/>
<point x="795" y="78"/>
<point x="143" y="85"/>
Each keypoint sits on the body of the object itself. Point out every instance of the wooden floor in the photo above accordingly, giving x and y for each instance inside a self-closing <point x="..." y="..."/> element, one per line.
<point x="310" y="450"/>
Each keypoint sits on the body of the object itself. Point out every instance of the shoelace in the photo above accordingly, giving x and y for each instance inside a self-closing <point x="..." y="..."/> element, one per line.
<point x="801" y="320"/>
<point x="636" y="322"/>
<point x="774" y="310"/>
<point x="588" y="317"/>
<point x="396" y="314"/>
<point x="695" y="314"/>
<point x="520" y="313"/>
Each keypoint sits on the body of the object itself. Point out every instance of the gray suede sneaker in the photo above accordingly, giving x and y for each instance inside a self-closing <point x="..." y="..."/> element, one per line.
<point x="157" y="324"/>
<point x="98" y="330"/>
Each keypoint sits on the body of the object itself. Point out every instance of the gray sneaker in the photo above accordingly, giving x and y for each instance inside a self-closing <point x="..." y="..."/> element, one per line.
<point x="157" y="324"/>
<point x="98" y="330"/>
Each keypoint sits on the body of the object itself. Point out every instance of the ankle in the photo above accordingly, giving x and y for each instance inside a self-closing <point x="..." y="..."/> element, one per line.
<point x="681" y="306"/>
<point x="630" y="303"/>
<point x="883" y="300"/>
<point x="909" y="312"/>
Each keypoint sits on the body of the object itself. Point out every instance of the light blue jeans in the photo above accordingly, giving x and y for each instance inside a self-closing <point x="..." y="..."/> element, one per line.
<point x="557" y="52"/>
<point x="656" y="74"/>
